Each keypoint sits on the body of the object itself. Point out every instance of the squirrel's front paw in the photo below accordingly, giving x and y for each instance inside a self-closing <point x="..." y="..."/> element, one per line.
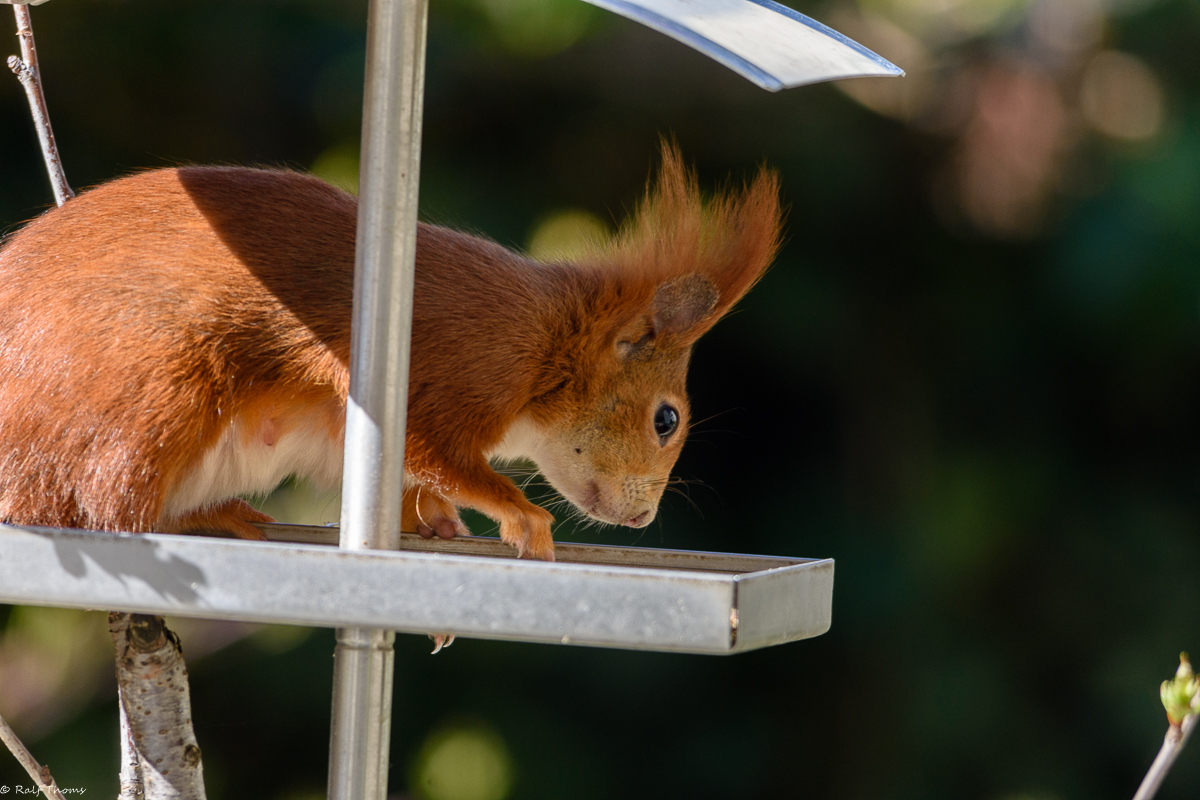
<point x="528" y="530"/>
<point x="429" y="514"/>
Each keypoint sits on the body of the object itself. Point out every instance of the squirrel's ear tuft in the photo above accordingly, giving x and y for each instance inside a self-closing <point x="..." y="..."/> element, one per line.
<point x="739" y="242"/>
<point x="703" y="255"/>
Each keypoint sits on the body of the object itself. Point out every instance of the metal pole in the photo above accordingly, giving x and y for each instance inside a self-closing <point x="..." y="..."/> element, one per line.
<point x="375" y="412"/>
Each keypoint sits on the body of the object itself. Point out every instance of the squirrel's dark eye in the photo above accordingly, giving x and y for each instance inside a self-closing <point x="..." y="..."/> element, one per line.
<point x="666" y="419"/>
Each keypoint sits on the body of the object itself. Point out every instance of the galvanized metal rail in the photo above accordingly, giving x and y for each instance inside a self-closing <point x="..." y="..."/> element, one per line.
<point x="623" y="597"/>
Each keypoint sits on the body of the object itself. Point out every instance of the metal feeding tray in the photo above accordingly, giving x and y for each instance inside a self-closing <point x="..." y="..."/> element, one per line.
<point x="626" y="597"/>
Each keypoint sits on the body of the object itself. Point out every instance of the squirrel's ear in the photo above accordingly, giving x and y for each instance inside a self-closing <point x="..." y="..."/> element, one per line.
<point x="702" y="256"/>
<point x="681" y="304"/>
<point x="730" y="241"/>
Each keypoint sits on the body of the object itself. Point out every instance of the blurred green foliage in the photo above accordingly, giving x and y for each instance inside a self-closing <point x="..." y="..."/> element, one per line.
<point x="984" y="406"/>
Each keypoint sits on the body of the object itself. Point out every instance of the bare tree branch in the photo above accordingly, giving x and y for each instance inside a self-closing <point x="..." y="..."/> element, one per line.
<point x="41" y="775"/>
<point x="26" y="69"/>
<point x="152" y="678"/>
<point x="131" y="773"/>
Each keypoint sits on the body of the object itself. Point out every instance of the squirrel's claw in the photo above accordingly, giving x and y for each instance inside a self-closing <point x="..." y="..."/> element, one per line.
<point x="440" y="640"/>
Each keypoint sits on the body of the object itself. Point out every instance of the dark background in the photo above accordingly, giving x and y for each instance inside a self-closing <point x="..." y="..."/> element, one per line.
<point x="972" y="378"/>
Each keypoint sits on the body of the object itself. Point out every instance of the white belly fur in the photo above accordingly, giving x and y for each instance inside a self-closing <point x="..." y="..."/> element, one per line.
<point x="241" y="463"/>
<point x="523" y="439"/>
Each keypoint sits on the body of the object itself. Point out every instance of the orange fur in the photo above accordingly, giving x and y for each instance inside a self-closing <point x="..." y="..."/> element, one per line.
<point x="160" y="323"/>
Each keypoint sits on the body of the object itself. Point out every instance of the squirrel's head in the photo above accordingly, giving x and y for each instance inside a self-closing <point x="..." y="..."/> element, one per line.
<point x="616" y="416"/>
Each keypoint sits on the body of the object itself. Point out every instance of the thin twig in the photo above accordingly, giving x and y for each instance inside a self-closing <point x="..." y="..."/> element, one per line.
<point x="1173" y="742"/>
<point x="41" y="775"/>
<point x="26" y="70"/>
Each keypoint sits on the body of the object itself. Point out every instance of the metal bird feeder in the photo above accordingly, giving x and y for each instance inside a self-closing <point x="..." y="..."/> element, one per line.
<point x="378" y="581"/>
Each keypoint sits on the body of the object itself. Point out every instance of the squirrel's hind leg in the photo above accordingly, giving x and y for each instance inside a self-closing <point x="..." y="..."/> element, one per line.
<point x="429" y="514"/>
<point x="234" y="516"/>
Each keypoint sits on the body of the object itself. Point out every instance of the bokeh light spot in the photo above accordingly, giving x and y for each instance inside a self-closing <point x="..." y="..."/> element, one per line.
<point x="1067" y="27"/>
<point x="339" y="166"/>
<point x="1120" y="97"/>
<point x="538" y="28"/>
<point x="949" y="20"/>
<point x="566" y="234"/>
<point x="299" y="502"/>
<point x="1009" y="154"/>
<point x="905" y="99"/>
<point x="463" y="762"/>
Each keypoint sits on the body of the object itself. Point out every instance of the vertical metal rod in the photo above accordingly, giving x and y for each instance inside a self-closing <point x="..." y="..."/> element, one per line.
<point x="362" y="714"/>
<point x="372" y="482"/>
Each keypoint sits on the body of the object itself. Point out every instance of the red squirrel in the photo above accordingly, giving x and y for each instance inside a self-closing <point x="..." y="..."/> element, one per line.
<point x="179" y="337"/>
